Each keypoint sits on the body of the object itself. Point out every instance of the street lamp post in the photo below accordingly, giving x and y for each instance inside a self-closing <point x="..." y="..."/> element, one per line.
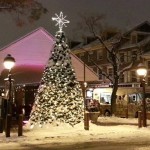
<point x="9" y="63"/>
<point x="86" y="115"/>
<point x="142" y="72"/>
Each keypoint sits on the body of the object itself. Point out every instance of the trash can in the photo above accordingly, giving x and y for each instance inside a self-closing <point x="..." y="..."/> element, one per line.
<point x="94" y="116"/>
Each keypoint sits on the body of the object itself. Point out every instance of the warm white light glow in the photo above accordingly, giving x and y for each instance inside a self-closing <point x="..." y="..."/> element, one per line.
<point x="89" y="94"/>
<point x="9" y="64"/>
<point x="61" y="21"/>
<point x="90" y="89"/>
<point x="141" y="71"/>
<point x="85" y="84"/>
<point x="31" y="127"/>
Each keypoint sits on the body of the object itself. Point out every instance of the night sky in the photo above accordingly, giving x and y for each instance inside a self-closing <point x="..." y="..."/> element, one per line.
<point x="122" y="14"/>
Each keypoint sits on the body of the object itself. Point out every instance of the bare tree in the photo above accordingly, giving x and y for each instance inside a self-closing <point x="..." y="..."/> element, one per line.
<point x="113" y="58"/>
<point x="23" y="10"/>
<point x="93" y="22"/>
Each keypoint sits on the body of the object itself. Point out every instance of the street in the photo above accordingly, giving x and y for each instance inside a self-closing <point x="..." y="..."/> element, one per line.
<point x="99" y="145"/>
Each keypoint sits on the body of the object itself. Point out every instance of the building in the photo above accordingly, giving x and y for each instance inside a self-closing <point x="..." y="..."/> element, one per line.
<point x="136" y="46"/>
<point x="31" y="53"/>
<point x="134" y="49"/>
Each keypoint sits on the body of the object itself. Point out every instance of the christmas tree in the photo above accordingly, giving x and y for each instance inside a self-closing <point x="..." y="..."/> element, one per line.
<point x="59" y="98"/>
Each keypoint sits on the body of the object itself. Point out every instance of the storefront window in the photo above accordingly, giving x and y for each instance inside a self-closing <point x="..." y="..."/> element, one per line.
<point x="105" y="98"/>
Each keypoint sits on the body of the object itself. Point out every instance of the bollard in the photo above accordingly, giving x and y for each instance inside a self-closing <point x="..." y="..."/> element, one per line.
<point x="139" y="119"/>
<point x="8" y="125"/>
<point x="20" y="125"/>
<point x="126" y="111"/>
<point x="86" y="121"/>
<point x="1" y="125"/>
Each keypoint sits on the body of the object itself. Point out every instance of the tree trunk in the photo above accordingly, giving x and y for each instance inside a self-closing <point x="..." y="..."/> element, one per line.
<point x="113" y="97"/>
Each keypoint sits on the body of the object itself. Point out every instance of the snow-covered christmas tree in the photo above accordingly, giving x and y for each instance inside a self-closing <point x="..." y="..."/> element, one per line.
<point x="59" y="98"/>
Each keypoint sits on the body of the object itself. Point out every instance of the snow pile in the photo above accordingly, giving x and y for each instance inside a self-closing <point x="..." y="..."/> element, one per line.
<point x="107" y="129"/>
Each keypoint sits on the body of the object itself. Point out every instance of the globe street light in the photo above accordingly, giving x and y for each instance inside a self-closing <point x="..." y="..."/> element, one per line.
<point x="9" y="63"/>
<point x="142" y="72"/>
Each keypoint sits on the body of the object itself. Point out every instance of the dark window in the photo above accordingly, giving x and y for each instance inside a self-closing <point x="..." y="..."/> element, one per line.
<point x="148" y="81"/>
<point x="134" y="54"/>
<point x="94" y="69"/>
<point x="99" y="55"/>
<point x="121" y="79"/>
<point x="100" y="75"/>
<point x="133" y="76"/>
<point x="133" y="38"/>
<point x="122" y="59"/>
<point x="90" y="56"/>
<point x="148" y="64"/>
<point x="110" y="72"/>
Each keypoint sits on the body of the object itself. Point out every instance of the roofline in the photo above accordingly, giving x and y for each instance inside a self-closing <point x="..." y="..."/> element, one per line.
<point x="26" y="35"/>
<point x="136" y="27"/>
<point x="83" y="64"/>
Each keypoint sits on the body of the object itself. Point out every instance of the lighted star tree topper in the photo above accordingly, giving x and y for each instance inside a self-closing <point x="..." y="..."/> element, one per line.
<point x="59" y="98"/>
<point x="61" y="21"/>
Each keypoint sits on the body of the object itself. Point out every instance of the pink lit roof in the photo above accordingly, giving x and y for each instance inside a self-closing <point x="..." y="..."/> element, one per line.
<point x="31" y="53"/>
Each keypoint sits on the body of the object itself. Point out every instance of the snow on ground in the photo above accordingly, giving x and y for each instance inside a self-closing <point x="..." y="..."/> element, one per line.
<point x="107" y="128"/>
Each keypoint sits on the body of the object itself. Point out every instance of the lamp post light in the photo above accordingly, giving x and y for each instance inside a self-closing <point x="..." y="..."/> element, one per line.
<point x="142" y="72"/>
<point x="9" y="63"/>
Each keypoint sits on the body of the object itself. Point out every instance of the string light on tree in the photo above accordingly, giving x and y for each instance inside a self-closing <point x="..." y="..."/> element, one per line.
<point x="59" y="98"/>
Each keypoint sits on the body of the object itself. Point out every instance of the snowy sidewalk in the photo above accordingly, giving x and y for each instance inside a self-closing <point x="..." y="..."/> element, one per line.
<point x="108" y="129"/>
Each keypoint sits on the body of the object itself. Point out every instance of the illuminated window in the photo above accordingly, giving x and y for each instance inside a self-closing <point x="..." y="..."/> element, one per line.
<point x="105" y="98"/>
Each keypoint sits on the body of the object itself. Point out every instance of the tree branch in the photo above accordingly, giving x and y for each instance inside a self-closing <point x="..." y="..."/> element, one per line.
<point x="100" y="69"/>
<point x="127" y="68"/>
